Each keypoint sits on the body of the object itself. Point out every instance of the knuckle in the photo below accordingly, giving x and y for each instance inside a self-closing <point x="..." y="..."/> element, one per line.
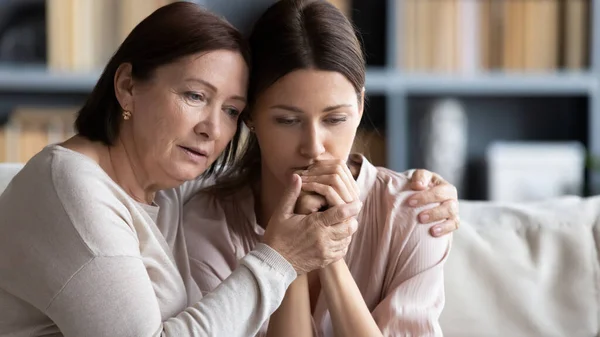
<point x="342" y="213"/>
<point x="454" y="209"/>
<point x="454" y="191"/>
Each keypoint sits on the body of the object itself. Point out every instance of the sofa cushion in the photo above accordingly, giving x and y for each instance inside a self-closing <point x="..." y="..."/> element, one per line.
<point x="7" y="172"/>
<point x="524" y="270"/>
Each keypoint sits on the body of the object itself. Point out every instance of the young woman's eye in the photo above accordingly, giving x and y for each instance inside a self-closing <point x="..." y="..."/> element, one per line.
<point x="195" y="97"/>
<point x="286" y="121"/>
<point x="335" y="120"/>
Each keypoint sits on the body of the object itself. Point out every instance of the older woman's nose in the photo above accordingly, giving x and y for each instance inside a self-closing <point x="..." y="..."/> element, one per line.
<point x="209" y="125"/>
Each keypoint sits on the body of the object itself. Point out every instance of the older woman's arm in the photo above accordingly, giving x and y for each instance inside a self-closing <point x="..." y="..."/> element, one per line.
<point x="113" y="296"/>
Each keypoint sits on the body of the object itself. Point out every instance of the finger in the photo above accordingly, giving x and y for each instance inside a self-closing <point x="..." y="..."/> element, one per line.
<point x="338" y="167"/>
<point x="309" y="202"/>
<point x="440" y="193"/>
<point x="330" y="194"/>
<point x="334" y="181"/>
<point x="340" y="245"/>
<point x="444" y="228"/>
<point x="351" y="182"/>
<point x="448" y="210"/>
<point x="338" y="214"/>
<point x="342" y="230"/>
<point x="336" y="256"/>
<point x="420" y="180"/>
<point x="290" y="196"/>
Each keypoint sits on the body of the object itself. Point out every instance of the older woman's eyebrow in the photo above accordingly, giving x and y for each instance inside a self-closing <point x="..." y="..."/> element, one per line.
<point x="203" y="82"/>
<point x="240" y="98"/>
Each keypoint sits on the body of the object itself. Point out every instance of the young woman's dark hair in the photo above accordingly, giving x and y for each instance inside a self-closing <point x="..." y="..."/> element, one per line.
<point x="293" y="35"/>
<point x="170" y="33"/>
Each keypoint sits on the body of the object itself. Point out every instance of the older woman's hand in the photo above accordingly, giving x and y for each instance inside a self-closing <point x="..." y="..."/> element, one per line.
<point x="434" y="189"/>
<point x="310" y="242"/>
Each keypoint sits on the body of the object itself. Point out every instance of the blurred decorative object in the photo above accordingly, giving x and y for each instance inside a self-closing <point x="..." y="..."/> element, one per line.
<point x="444" y="136"/>
<point x="529" y="171"/>
<point x="22" y="31"/>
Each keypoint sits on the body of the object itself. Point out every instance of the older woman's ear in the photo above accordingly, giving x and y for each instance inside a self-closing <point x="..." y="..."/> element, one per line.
<point x="123" y="82"/>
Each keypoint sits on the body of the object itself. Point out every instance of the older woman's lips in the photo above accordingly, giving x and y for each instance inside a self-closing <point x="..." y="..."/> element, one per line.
<point x="195" y="154"/>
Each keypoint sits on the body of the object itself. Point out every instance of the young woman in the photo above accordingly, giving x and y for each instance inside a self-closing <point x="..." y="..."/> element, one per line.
<point x="306" y="99"/>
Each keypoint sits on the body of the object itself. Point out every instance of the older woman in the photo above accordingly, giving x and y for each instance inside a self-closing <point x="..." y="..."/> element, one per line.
<point x="91" y="246"/>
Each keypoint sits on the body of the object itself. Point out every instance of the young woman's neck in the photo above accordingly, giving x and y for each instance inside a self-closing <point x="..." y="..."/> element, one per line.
<point x="267" y="193"/>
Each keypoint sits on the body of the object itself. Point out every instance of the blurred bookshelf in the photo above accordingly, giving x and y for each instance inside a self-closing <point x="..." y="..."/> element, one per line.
<point x="522" y="70"/>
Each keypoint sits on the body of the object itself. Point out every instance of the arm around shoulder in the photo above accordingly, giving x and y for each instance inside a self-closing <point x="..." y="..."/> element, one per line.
<point x="414" y="288"/>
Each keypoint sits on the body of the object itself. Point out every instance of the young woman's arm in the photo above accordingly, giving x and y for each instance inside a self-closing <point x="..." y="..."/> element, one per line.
<point x="293" y="318"/>
<point x="414" y="292"/>
<point x="414" y="288"/>
<point x="349" y="313"/>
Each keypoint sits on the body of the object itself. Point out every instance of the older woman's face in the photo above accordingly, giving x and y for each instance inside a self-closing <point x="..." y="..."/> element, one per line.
<point x="183" y="117"/>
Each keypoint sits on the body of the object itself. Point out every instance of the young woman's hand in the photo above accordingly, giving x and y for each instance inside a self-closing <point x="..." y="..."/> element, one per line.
<point x="324" y="184"/>
<point x="434" y="189"/>
<point x="313" y="241"/>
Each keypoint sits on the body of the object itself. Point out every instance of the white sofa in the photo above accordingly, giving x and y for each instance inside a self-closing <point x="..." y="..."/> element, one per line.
<point x="515" y="270"/>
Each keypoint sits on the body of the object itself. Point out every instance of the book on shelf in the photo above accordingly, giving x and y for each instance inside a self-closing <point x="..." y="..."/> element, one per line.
<point x="466" y="36"/>
<point x="30" y="129"/>
<point x="83" y="34"/>
<point x="576" y="33"/>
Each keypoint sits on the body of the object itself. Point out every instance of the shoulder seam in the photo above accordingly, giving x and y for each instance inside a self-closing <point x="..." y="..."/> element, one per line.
<point x="77" y="272"/>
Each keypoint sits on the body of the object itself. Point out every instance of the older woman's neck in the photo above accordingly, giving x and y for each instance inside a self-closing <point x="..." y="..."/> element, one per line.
<point x="124" y="168"/>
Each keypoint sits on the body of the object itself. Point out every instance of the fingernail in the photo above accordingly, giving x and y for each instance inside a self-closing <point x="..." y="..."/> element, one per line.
<point x="424" y="217"/>
<point x="437" y="230"/>
<point x="413" y="202"/>
<point x="421" y="183"/>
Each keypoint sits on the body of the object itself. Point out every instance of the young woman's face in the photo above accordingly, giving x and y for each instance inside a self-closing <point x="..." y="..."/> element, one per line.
<point x="185" y="115"/>
<point x="306" y="116"/>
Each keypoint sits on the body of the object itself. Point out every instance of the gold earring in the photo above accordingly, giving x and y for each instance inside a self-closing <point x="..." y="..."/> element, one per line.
<point x="251" y="128"/>
<point x="126" y="114"/>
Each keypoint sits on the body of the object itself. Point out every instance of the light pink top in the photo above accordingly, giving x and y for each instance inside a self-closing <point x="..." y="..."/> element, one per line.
<point x="396" y="264"/>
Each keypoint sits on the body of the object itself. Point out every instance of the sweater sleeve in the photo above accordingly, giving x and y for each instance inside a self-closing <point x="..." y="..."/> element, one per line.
<point x="120" y="300"/>
<point x="413" y="297"/>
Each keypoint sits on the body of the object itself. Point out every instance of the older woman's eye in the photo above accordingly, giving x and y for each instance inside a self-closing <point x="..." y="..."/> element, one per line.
<point x="232" y="112"/>
<point x="194" y="96"/>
